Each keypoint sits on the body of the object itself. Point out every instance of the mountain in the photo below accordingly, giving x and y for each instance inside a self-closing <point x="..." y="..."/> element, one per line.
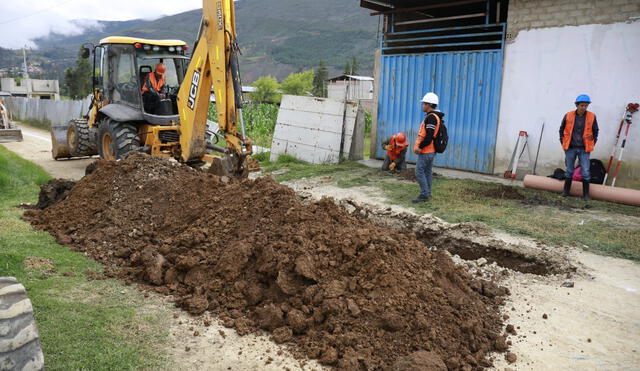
<point x="276" y="37"/>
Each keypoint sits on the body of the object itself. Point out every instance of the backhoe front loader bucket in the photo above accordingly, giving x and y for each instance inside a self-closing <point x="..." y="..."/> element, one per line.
<point x="10" y="135"/>
<point x="9" y="132"/>
<point x="59" y="145"/>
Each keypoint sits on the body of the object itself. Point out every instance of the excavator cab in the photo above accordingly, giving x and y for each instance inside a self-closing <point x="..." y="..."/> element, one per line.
<point x="121" y="118"/>
<point x="117" y="114"/>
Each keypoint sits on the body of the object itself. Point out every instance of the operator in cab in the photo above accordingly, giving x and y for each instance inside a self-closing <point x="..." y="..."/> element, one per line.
<point x="396" y="147"/>
<point x="153" y="89"/>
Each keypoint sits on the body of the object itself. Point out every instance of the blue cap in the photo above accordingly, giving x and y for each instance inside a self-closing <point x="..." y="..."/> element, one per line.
<point x="583" y="98"/>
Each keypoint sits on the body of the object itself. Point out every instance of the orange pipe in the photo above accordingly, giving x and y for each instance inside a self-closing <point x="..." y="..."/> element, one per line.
<point x="596" y="191"/>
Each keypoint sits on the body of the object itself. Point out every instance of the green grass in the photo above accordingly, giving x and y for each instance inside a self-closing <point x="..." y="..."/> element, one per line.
<point x="603" y="227"/>
<point x="92" y="325"/>
<point x="290" y="168"/>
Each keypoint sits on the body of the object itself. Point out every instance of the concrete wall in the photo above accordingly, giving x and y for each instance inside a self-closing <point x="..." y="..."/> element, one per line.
<point x="313" y="129"/>
<point x="48" y="111"/>
<point x="358" y="89"/>
<point x="547" y="68"/>
<point x="531" y="14"/>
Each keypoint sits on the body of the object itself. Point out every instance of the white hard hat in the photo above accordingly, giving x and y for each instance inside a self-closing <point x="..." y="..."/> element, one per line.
<point x="430" y="98"/>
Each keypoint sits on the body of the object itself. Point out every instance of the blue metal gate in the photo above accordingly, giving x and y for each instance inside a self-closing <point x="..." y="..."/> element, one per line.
<point x="468" y="84"/>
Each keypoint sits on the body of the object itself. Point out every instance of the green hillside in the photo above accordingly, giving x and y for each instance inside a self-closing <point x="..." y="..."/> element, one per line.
<point x="276" y="37"/>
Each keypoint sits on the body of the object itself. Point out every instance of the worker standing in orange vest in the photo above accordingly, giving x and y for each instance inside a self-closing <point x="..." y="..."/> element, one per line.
<point x="396" y="147"/>
<point x="424" y="146"/>
<point x="578" y="135"/>
<point x="152" y="89"/>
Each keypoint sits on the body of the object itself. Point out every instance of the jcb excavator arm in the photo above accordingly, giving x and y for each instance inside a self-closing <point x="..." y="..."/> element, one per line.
<point x="214" y="63"/>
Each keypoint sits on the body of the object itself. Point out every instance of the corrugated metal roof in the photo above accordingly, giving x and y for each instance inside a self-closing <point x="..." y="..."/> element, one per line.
<point x="351" y="77"/>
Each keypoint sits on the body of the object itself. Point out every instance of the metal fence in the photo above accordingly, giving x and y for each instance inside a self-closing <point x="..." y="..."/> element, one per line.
<point x="54" y="112"/>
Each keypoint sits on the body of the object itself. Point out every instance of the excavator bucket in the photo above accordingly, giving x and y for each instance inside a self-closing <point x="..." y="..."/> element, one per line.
<point x="9" y="132"/>
<point x="230" y="165"/>
<point x="59" y="145"/>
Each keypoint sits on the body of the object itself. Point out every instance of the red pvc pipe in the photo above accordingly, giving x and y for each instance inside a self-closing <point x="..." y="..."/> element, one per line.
<point x="596" y="191"/>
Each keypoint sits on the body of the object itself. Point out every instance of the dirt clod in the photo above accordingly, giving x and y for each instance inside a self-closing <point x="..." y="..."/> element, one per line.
<point x="54" y="191"/>
<point x="510" y="357"/>
<point x="335" y="287"/>
<point x="421" y="360"/>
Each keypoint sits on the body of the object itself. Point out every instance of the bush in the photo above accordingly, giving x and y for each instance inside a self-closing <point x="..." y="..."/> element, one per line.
<point x="268" y="90"/>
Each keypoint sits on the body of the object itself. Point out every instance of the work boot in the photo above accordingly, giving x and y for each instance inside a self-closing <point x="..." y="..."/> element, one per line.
<point x="420" y="199"/>
<point x="585" y="191"/>
<point x="567" y="187"/>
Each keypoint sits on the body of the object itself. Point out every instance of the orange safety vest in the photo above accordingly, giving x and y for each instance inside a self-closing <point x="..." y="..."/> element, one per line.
<point x="589" y="141"/>
<point x="423" y="133"/>
<point x="151" y="80"/>
<point x="396" y="148"/>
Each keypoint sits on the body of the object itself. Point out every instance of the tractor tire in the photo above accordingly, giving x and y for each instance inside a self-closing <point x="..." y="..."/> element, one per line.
<point x="19" y="341"/>
<point x="81" y="139"/>
<point x="117" y="139"/>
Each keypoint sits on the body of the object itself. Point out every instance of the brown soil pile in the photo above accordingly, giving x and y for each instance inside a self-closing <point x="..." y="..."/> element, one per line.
<point x="336" y="288"/>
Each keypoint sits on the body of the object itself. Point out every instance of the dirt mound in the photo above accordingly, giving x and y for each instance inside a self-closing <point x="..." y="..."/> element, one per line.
<point x="503" y="192"/>
<point x="334" y="287"/>
<point x="54" y="191"/>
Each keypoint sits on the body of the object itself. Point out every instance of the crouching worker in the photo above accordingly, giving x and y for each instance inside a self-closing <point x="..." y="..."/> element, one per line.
<point x="578" y="135"/>
<point x="396" y="147"/>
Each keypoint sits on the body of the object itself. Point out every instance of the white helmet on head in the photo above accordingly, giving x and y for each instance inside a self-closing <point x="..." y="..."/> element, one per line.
<point x="430" y="98"/>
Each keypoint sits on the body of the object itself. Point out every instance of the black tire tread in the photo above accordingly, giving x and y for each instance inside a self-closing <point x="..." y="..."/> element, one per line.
<point x="125" y="136"/>
<point x="86" y="145"/>
<point x="20" y="347"/>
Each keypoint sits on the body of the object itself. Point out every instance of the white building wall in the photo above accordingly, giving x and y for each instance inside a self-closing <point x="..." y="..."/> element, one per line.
<point x="546" y="69"/>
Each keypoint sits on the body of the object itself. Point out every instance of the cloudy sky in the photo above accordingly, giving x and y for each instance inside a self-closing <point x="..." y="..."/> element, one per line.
<point x="23" y="20"/>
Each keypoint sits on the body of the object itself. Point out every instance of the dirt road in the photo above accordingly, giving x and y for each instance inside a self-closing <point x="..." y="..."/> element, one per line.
<point x="36" y="147"/>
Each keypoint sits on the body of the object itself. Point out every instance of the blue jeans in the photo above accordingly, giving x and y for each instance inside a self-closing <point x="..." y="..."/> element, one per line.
<point x="424" y="173"/>
<point x="570" y="161"/>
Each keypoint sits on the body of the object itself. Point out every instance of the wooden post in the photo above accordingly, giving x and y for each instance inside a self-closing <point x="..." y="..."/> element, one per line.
<point x="374" y="114"/>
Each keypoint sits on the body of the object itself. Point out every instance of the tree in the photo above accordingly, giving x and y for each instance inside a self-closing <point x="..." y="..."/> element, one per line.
<point x="352" y="66"/>
<point x="78" y="79"/>
<point x="347" y="68"/>
<point x="355" y="65"/>
<point x="320" y="80"/>
<point x="298" y="83"/>
<point x="267" y="90"/>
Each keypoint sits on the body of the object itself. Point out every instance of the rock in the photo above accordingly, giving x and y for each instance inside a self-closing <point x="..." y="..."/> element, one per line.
<point x="481" y="262"/>
<point x="567" y="284"/>
<point x="501" y="344"/>
<point x="297" y="321"/>
<point x="353" y="307"/>
<point x="420" y="361"/>
<point x="329" y="356"/>
<point x="282" y="335"/>
<point x="335" y="289"/>
<point x="510" y="357"/>
<point x="545" y="316"/>
<point x="270" y="317"/>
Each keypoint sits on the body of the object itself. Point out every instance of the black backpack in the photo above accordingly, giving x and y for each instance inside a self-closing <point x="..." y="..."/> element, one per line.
<point x="597" y="171"/>
<point x="442" y="138"/>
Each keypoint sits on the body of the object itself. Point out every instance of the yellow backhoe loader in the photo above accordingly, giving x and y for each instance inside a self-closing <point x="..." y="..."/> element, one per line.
<point x="173" y="122"/>
<point x="9" y="132"/>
